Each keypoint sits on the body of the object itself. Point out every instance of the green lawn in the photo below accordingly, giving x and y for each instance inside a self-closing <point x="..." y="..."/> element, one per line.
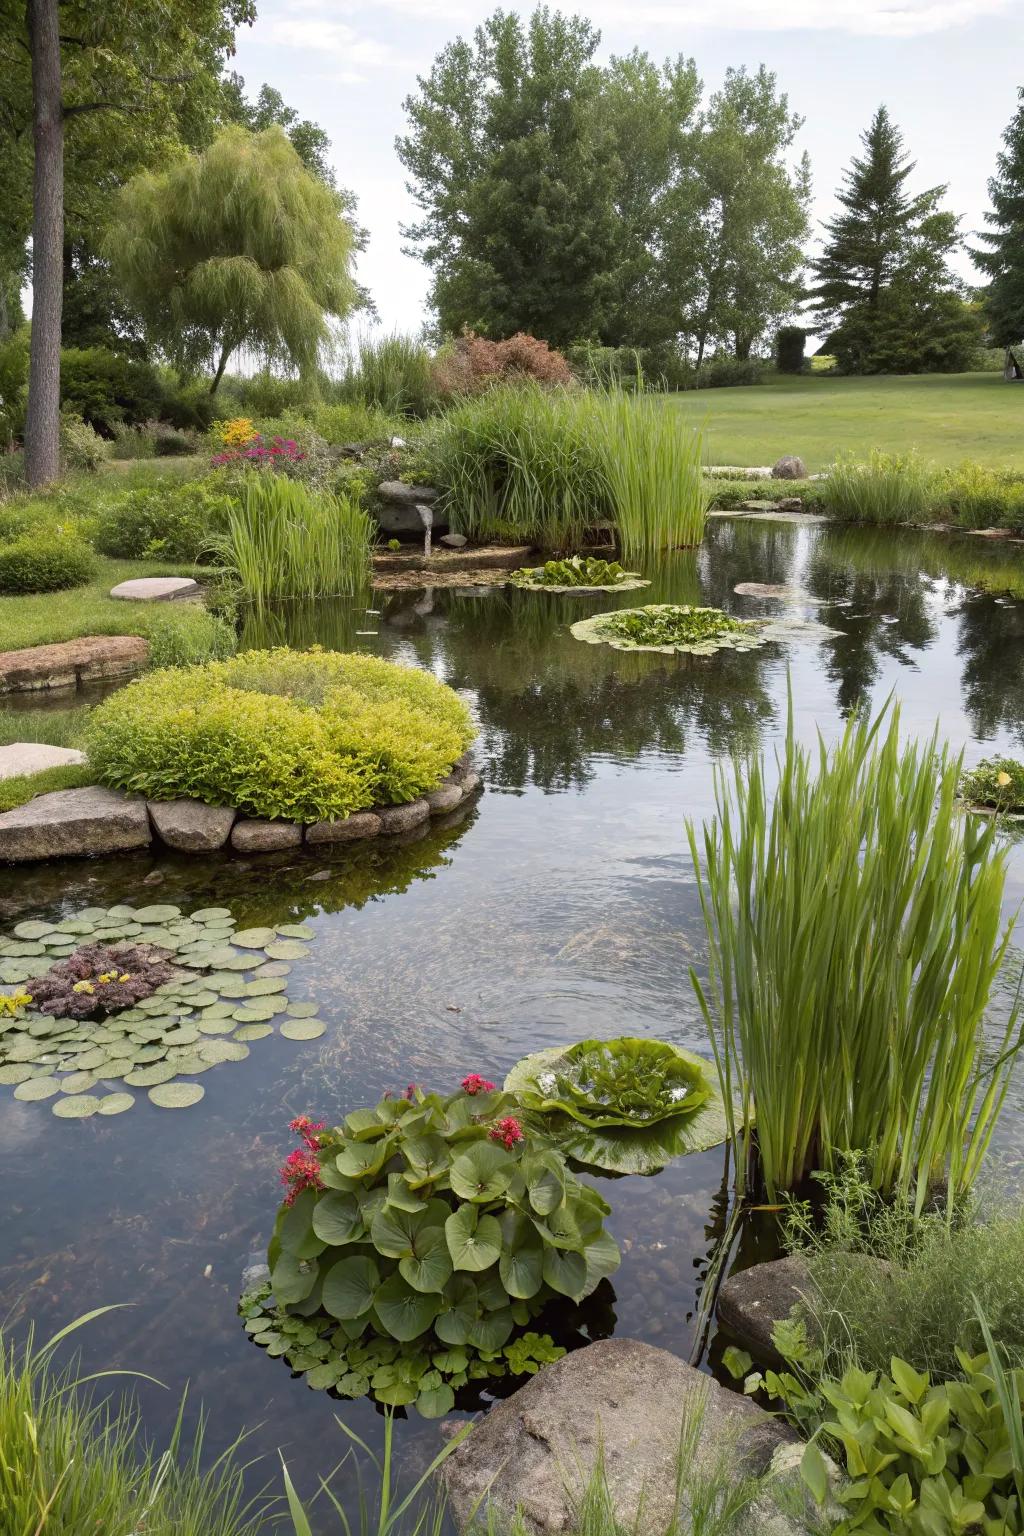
<point x="46" y="617"/>
<point x="948" y="417"/>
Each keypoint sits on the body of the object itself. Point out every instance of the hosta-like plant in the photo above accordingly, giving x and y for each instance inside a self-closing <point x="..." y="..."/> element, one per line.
<point x="578" y="573"/>
<point x="434" y="1224"/>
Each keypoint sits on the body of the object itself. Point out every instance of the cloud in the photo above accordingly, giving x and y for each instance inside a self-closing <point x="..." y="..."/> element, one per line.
<point x="347" y="53"/>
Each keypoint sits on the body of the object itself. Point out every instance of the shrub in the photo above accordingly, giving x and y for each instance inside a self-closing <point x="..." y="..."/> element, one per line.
<point x="472" y="364"/>
<point x="105" y="388"/>
<point x="393" y="374"/>
<point x="45" y="560"/>
<point x="789" y="348"/>
<point x="80" y="447"/>
<point x="726" y="372"/>
<point x="435" y="1227"/>
<point x="854" y="929"/>
<point x="884" y="488"/>
<point x="282" y="540"/>
<point x="306" y="735"/>
<point x="164" y="522"/>
<point x="353" y="421"/>
<point x="13" y="385"/>
<point x="979" y="497"/>
<point x="188" y="637"/>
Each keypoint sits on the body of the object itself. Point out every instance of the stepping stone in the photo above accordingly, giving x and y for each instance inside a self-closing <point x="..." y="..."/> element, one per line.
<point x="73" y="822"/>
<point x="156" y="589"/>
<point x="72" y="663"/>
<point x="190" y="825"/>
<point x="34" y="757"/>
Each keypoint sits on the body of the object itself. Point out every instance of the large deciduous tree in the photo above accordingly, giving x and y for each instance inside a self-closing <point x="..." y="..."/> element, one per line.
<point x="883" y="282"/>
<point x="1003" y="261"/>
<point x="239" y="246"/>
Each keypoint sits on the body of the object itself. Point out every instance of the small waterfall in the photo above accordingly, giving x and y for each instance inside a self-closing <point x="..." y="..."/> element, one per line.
<point x="427" y="519"/>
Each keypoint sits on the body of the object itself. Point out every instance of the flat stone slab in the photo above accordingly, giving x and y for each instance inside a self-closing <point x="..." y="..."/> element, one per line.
<point x="398" y="494"/>
<point x="805" y="519"/>
<point x="627" y="1402"/>
<point x="71" y="823"/>
<point x="253" y="836"/>
<point x="72" y="663"/>
<point x="504" y="557"/>
<point x="34" y="757"/>
<point x="156" y="589"/>
<point x="190" y="825"/>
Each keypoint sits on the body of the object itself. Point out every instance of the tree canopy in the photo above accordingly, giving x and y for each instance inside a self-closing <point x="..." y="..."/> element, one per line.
<point x="1003" y="260"/>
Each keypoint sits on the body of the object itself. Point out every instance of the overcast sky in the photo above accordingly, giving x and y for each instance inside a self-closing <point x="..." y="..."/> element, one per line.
<point x="948" y="70"/>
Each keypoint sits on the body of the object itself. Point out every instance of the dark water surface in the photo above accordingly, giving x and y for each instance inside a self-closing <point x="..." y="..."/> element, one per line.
<point x="561" y="906"/>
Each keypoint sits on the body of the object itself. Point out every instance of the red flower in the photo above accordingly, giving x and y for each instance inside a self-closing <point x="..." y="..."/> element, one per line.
<point x="303" y="1126"/>
<point x="508" y="1131"/>
<point x="300" y="1170"/>
<point x="474" y="1083"/>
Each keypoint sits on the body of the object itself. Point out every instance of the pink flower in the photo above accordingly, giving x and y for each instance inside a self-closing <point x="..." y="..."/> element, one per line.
<point x="474" y="1083"/>
<point x="410" y="1092"/>
<point x="508" y="1131"/>
<point x="303" y="1126"/>
<point x="300" y="1170"/>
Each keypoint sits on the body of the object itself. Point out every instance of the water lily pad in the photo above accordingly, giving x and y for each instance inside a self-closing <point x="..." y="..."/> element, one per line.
<point x="232" y="961"/>
<point x="157" y="914"/>
<point x="25" y="949"/>
<point x="255" y="1012"/>
<point x="296" y="931"/>
<point x="15" y="1074"/>
<point x="286" y="949"/>
<point x="176" y="1095"/>
<point x="234" y="989"/>
<point x="33" y="930"/>
<point x="37" y="1088"/>
<point x="185" y="1035"/>
<point x="265" y="986"/>
<point x="223" y="1050"/>
<point x="223" y="1024"/>
<point x="272" y="968"/>
<point x="122" y="912"/>
<point x="303" y="1029"/>
<point x="75" y="1109"/>
<point x="144" y="1054"/>
<point x="303" y="1010"/>
<point x="14" y="971"/>
<point x="75" y="925"/>
<point x="88" y="1060"/>
<point x="115" y="1103"/>
<point x="190" y="1064"/>
<point x="205" y="914"/>
<point x="254" y="938"/>
<point x="147" y="1077"/>
<point x="203" y="999"/>
<point x="253" y="1032"/>
<point x="77" y="1082"/>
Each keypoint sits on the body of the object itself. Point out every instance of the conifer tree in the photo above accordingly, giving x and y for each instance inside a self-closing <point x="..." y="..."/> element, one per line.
<point x="1003" y="262"/>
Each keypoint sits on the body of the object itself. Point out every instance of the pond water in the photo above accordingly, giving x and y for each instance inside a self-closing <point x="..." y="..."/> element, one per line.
<point x="561" y="906"/>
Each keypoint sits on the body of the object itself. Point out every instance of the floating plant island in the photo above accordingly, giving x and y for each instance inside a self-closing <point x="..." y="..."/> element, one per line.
<point x="580" y="574"/>
<point x="683" y="628"/>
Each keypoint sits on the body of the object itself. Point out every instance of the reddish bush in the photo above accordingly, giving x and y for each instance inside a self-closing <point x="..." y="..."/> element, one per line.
<point x="472" y="363"/>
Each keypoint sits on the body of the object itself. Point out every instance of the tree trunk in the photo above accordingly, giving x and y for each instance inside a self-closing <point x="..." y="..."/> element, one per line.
<point x="741" y="347"/>
<point x="225" y="353"/>
<point x="42" y="425"/>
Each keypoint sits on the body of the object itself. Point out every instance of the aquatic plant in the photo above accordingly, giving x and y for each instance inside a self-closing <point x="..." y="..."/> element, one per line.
<point x="627" y="1105"/>
<point x="883" y="488"/>
<point x="415" y="1239"/>
<point x="575" y="573"/>
<point x="653" y="466"/>
<point x="99" y="979"/>
<point x="995" y="781"/>
<point x="854" y="935"/>
<point x="671" y="627"/>
<point x="307" y="735"/>
<point x="284" y="540"/>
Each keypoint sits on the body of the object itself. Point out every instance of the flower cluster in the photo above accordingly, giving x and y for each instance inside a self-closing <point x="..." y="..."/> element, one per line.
<point x="474" y="1084"/>
<point x="236" y="433"/>
<point x="12" y="1002"/>
<point x="308" y="1130"/>
<point x="300" y="1170"/>
<point x="259" y="451"/>
<point x="508" y="1131"/>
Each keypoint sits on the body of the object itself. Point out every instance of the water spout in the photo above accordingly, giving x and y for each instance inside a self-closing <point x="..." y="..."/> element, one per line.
<point x="427" y="519"/>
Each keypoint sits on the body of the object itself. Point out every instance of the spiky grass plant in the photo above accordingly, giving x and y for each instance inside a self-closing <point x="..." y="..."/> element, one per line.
<point x="883" y="488"/>
<point x="392" y="373"/>
<point x="283" y="540"/>
<point x="854" y="935"/>
<point x="652" y="463"/>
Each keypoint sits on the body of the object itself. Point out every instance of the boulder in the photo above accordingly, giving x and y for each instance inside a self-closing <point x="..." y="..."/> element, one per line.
<point x="752" y="1301"/>
<point x="470" y="783"/>
<point x="190" y="825"/>
<point x="156" y="589"/>
<point x="630" y="1403"/>
<point x="72" y="663"/>
<point x="71" y="823"/>
<point x="401" y="818"/>
<point x="346" y="829"/>
<point x="398" y="494"/>
<point x="445" y="798"/>
<point x="789" y="467"/>
<point x="789" y="504"/>
<point x="250" y="835"/>
<point x="463" y="766"/>
<point x="34" y="757"/>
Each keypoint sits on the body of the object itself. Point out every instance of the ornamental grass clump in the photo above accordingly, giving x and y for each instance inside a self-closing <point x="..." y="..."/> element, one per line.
<point x="854" y="936"/>
<point x="282" y="540"/>
<point x="883" y="488"/>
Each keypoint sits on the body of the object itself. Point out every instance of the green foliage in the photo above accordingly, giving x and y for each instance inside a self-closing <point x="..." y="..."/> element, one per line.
<point x="186" y="639"/>
<point x="308" y="735"/>
<point x="853" y="922"/>
<point x="352" y="421"/>
<point x="1003" y="260"/>
<point x="789" y="348"/>
<point x="80" y="447"/>
<point x="658" y="493"/>
<point x="13" y="384"/>
<point x="576" y="571"/>
<point x="237" y="246"/>
<point x="909" y="328"/>
<point x="884" y="488"/>
<point x="282" y="540"/>
<point x="106" y="389"/>
<point x="392" y="375"/>
<point x="429" y="1229"/>
<point x="45" y="559"/>
<point x="995" y="781"/>
<point x="22" y="787"/>
<point x="979" y="497"/>
<point x="164" y="523"/>
<point x="669" y="627"/>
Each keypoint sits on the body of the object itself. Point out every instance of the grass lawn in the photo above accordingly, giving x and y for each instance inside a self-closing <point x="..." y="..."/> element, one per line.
<point x="43" y="618"/>
<point x="948" y="417"/>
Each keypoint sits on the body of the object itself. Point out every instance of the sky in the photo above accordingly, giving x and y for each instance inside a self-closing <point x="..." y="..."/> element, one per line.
<point x="948" y="70"/>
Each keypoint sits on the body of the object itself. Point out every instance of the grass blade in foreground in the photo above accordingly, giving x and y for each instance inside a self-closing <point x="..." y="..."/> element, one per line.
<point x="854" y="931"/>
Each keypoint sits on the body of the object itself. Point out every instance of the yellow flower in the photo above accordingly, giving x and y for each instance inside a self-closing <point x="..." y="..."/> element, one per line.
<point x="10" y="1002"/>
<point x="125" y="977"/>
<point x="83" y="986"/>
<point x="237" y="432"/>
<point x="1002" y="779"/>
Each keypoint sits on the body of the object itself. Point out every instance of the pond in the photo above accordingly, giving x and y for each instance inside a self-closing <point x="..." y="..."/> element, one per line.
<point x="561" y="906"/>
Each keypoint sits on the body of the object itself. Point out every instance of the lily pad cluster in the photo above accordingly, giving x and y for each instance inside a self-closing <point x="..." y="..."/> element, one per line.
<point x="208" y="990"/>
<point x="578" y="573"/>
<point x="671" y="627"/>
<point x="418" y="1237"/>
<point x="626" y="1106"/>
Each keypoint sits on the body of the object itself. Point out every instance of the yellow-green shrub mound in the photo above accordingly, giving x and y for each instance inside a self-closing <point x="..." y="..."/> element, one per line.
<point x="303" y="735"/>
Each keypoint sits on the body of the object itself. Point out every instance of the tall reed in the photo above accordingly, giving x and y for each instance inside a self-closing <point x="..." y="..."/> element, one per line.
<point x="652" y="464"/>
<point x="393" y="373"/>
<point x="283" y="540"/>
<point x="854" y="936"/>
<point x="883" y="488"/>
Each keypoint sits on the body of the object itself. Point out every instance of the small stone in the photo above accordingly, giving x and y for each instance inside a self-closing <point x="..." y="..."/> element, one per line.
<point x="789" y="467"/>
<point x="71" y="823"/>
<point x="400" y="818"/>
<point x="35" y="757"/>
<point x="463" y="766"/>
<point x="454" y="540"/>
<point x="253" y="836"/>
<point x="346" y="829"/>
<point x="156" y="589"/>
<point x="190" y="825"/>
<point x="445" y="798"/>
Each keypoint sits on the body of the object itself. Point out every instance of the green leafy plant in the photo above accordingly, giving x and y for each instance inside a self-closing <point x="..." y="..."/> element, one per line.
<point x="283" y="540"/>
<point x="670" y="627"/>
<point x="394" y="545"/>
<point x="416" y="1238"/>
<point x="854" y="930"/>
<point x="883" y="488"/>
<point x="585" y="571"/>
<point x="995" y="781"/>
<point x="308" y="735"/>
<point x="45" y="559"/>
<point x="165" y="522"/>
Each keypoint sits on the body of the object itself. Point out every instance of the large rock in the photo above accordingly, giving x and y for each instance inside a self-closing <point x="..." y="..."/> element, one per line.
<point x="401" y="818"/>
<point x="347" y="829"/>
<point x="753" y="1300"/>
<point x="397" y="494"/>
<point x="628" y="1402"/>
<point x="156" y="589"/>
<point x="73" y="822"/>
<point x="789" y="467"/>
<point x="445" y="797"/>
<point x="35" y="757"/>
<point x="191" y="825"/>
<point x="253" y="836"/>
<point x="72" y="663"/>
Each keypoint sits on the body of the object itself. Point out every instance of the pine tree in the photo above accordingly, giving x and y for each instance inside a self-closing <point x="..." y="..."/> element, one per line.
<point x="1003" y="262"/>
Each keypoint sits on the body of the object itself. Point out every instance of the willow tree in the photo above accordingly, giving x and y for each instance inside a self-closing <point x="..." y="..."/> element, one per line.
<point x="239" y="246"/>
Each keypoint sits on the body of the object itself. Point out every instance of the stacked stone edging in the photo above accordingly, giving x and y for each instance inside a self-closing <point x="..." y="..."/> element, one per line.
<point x="71" y="823"/>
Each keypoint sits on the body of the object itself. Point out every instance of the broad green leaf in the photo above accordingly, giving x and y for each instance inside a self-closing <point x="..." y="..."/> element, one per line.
<point x="521" y="1259"/>
<point x="337" y="1218"/>
<point x="350" y="1286"/>
<point x="292" y="1279"/>
<point x="427" y="1156"/>
<point x="392" y="1231"/>
<point x="460" y="1307"/>
<point x="565" y="1272"/>
<point x="430" y="1266"/>
<point x="482" y="1172"/>
<point x="400" y="1196"/>
<point x="602" y="1258"/>
<point x="491" y="1331"/>
<point x="435" y="1402"/>
<point x="364" y="1125"/>
<point x="403" y="1312"/>
<point x="297" y="1235"/>
<point x="545" y="1181"/>
<point x="474" y="1241"/>
<point x="361" y="1158"/>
